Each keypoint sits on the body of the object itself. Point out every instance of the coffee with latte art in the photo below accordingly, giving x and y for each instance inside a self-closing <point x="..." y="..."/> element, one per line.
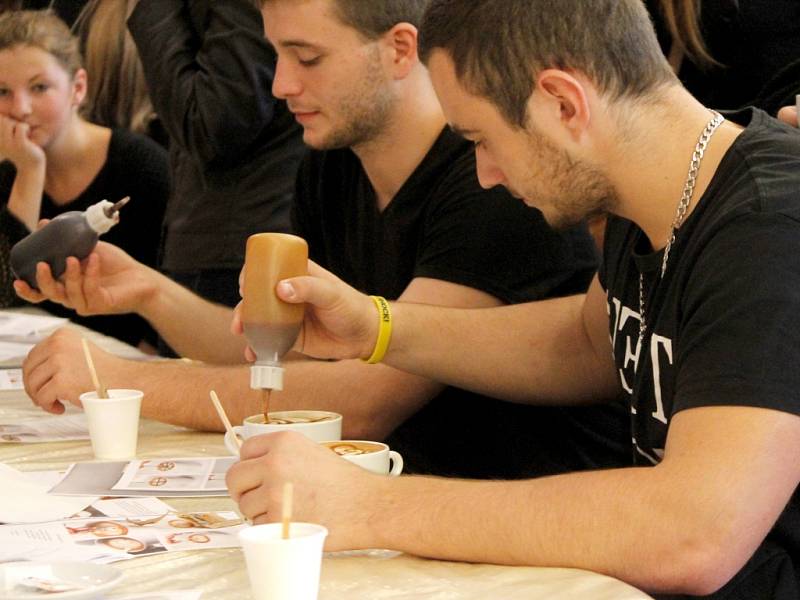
<point x="291" y="420"/>
<point x="319" y="425"/>
<point x="353" y="448"/>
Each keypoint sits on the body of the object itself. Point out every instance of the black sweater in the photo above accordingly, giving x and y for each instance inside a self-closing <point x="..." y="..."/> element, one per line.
<point x="234" y="149"/>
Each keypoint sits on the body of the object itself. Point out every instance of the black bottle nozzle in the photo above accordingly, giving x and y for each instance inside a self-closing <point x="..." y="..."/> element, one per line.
<point x="112" y="210"/>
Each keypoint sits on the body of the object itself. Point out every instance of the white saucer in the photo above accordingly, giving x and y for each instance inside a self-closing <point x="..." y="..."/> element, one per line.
<point x="93" y="579"/>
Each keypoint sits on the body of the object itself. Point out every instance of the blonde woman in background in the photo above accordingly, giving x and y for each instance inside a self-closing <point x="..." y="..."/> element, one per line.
<point x="57" y="161"/>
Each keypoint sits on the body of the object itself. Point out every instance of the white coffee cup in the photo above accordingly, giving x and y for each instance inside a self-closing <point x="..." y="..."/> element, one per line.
<point x="309" y="424"/>
<point x="373" y="456"/>
<point x="113" y="423"/>
<point x="284" y="569"/>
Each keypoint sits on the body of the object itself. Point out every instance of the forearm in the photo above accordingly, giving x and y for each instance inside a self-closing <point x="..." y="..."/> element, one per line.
<point x="373" y="399"/>
<point x="177" y="392"/>
<point x="192" y="326"/>
<point x="25" y="201"/>
<point x="633" y="524"/>
<point x="537" y="352"/>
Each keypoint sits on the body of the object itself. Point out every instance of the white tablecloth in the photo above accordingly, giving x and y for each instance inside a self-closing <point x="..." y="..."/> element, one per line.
<point x="370" y="575"/>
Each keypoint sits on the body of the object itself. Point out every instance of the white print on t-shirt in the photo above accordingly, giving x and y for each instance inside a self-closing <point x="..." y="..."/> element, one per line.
<point x="622" y="315"/>
<point x="661" y="357"/>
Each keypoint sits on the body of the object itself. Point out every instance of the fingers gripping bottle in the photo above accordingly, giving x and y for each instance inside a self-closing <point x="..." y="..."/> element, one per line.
<point x="271" y="325"/>
<point x="72" y="233"/>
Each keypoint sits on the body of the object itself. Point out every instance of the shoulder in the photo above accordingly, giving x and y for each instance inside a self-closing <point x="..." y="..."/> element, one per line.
<point x="760" y="173"/>
<point x="126" y="145"/>
<point x="137" y="166"/>
<point x="135" y="157"/>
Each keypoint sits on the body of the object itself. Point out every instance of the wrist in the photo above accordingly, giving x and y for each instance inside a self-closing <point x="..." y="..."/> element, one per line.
<point x="380" y="331"/>
<point x="151" y="301"/>
<point x="33" y="164"/>
<point x="380" y="504"/>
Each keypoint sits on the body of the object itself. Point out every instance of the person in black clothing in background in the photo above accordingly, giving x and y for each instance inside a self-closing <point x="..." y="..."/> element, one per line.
<point x="389" y="200"/>
<point x="58" y="162"/>
<point x="734" y="53"/>
<point x="234" y="149"/>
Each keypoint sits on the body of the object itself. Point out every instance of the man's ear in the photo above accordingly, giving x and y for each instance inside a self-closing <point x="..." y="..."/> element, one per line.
<point x="401" y="41"/>
<point x="561" y="98"/>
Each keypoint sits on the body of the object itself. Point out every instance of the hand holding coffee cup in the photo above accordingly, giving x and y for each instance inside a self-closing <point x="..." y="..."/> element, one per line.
<point x="318" y="476"/>
<point x="318" y="425"/>
<point x="372" y="456"/>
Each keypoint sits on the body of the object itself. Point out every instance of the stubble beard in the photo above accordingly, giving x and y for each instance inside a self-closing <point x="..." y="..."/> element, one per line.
<point x="366" y="111"/>
<point x="582" y="192"/>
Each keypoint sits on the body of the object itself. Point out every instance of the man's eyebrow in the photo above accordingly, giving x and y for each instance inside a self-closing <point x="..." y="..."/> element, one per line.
<point x="463" y="132"/>
<point x="299" y="44"/>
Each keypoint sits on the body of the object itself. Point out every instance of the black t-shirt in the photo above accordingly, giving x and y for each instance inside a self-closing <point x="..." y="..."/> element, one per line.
<point x="442" y="225"/>
<point x="721" y="320"/>
<point x="137" y="167"/>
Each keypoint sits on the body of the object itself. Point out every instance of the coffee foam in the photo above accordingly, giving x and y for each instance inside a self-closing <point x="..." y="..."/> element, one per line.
<point x="353" y="448"/>
<point x="295" y="420"/>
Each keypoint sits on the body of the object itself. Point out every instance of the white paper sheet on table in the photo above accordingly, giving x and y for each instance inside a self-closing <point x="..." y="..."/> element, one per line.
<point x="182" y="595"/>
<point x="179" y="474"/>
<point x="128" y="507"/>
<point x="25" y="500"/>
<point x="100" y="478"/>
<point x="19" y="327"/>
<point x="56" y="428"/>
<point x="13" y="353"/>
<point x="105" y="540"/>
<point x="11" y="379"/>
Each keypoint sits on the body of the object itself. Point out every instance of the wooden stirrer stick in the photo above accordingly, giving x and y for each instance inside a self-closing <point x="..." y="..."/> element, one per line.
<point x="286" y="510"/>
<point x="224" y="418"/>
<point x="101" y="389"/>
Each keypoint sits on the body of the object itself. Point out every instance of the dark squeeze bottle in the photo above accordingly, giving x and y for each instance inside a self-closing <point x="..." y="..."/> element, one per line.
<point x="72" y="233"/>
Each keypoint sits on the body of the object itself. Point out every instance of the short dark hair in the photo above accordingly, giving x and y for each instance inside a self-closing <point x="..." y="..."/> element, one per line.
<point x="499" y="46"/>
<point x="373" y="18"/>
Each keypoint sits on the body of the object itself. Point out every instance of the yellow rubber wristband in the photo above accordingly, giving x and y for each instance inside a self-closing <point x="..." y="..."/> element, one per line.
<point x="384" y="330"/>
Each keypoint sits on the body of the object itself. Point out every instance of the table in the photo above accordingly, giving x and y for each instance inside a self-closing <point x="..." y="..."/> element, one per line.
<point x="221" y="573"/>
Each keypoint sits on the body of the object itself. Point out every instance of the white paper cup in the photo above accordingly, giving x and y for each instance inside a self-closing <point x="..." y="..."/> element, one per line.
<point x="284" y="569"/>
<point x="374" y="456"/>
<point x="329" y="429"/>
<point x="113" y="423"/>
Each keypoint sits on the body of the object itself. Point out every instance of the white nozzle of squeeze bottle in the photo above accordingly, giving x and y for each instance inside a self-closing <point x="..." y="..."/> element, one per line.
<point x="266" y="377"/>
<point x="101" y="217"/>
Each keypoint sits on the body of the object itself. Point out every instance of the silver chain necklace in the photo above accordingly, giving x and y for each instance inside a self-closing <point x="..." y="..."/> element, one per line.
<point x="683" y="206"/>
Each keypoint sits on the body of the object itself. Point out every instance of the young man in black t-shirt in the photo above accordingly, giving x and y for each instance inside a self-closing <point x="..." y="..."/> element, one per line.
<point x="572" y="106"/>
<point x="390" y="202"/>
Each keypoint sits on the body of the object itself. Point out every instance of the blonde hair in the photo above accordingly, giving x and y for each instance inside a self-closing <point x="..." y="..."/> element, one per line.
<point x="117" y="93"/>
<point x="683" y="22"/>
<point x="41" y="29"/>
